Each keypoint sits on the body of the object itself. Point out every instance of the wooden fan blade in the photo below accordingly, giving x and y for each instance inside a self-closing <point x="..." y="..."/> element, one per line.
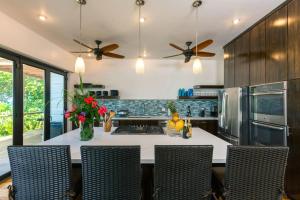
<point x="205" y="54"/>
<point x="113" y="55"/>
<point x="110" y="47"/>
<point x="202" y="45"/>
<point x="173" y="55"/>
<point x="82" y="44"/>
<point x="176" y="47"/>
<point x="81" y="51"/>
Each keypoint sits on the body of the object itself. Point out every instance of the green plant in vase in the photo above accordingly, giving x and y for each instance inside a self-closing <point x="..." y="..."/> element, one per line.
<point x="85" y="110"/>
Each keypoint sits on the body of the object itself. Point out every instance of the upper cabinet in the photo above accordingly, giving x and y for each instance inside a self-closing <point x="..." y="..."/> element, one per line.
<point x="258" y="54"/>
<point x="294" y="39"/>
<point x="229" y="66"/>
<point x="241" y="61"/>
<point x="276" y="46"/>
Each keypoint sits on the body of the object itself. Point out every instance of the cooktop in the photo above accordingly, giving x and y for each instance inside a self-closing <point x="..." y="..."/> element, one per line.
<point x="138" y="130"/>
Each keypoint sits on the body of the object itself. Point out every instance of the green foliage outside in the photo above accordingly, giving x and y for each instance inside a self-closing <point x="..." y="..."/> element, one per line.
<point x="33" y="103"/>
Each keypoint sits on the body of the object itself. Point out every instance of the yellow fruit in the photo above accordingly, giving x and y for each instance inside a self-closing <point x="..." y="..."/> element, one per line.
<point x="171" y="124"/>
<point x="175" y="117"/>
<point x="179" y="125"/>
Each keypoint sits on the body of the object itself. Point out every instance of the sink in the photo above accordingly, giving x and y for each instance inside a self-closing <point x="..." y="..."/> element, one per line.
<point x="139" y="117"/>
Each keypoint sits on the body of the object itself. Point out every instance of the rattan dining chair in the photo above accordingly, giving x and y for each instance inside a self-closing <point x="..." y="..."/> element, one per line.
<point x="255" y="172"/>
<point x="111" y="172"/>
<point x="40" y="172"/>
<point x="182" y="172"/>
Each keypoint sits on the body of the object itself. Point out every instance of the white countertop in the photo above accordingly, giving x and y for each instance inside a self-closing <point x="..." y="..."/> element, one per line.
<point x="147" y="142"/>
<point x="160" y="118"/>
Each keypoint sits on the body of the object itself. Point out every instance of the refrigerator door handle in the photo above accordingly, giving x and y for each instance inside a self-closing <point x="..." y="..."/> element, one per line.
<point x="226" y="111"/>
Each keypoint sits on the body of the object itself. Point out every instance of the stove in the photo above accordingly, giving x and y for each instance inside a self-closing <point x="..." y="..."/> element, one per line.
<point x="138" y="130"/>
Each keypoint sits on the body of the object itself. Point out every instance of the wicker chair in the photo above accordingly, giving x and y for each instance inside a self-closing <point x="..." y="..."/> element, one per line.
<point x="111" y="172"/>
<point x="255" y="172"/>
<point x="40" y="172"/>
<point x="182" y="172"/>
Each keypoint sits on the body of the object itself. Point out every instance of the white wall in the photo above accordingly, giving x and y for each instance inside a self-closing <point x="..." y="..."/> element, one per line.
<point x="161" y="80"/>
<point x="15" y="36"/>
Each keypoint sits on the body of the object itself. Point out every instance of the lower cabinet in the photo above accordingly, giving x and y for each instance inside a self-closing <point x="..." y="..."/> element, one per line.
<point x="210" y="126"/>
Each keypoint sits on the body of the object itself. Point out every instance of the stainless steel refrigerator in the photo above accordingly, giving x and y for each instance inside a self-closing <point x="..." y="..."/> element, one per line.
<point x="233" y="115"/>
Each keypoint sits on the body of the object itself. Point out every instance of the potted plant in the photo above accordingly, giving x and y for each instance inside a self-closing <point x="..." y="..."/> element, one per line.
<point x="85" y="110"/>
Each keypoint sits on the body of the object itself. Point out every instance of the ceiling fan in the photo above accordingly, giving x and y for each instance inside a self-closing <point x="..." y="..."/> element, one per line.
<point x="189" y="52"/>
<point x="99" y="52"/>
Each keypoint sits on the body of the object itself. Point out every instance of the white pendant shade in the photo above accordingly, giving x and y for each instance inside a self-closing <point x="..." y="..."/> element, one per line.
<point x="197" y="66"/>
<point x="79" y="65"/>
<point x="140" y="66"/>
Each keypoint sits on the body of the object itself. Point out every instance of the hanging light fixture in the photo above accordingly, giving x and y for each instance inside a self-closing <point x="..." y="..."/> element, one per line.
<point x="79" y="63"/>
<point x="140" y="65"/>
<point x="197" y="65"/>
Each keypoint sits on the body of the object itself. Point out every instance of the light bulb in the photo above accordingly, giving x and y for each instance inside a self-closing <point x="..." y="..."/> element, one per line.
<point x="42" y="17"/>
<point x="197" y="66"/>
<point x="139" y="66"/>
<point x="79" y="65"/>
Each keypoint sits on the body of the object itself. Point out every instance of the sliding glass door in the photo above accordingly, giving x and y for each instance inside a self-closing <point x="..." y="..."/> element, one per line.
<point x="6" y="111"/>
<point x="33" y="105"/>
<point x="57" y="104"/>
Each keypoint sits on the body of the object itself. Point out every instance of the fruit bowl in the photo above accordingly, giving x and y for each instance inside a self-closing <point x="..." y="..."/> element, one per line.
<point x="175" y="125"/>
<point x="173" y="132"/>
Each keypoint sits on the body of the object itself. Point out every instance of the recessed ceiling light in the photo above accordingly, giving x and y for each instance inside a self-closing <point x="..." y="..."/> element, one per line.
<point x="89" y="54"/>
<point x="42" y="17"/>
<point x="142" y="19"/>
<point x="236" y="21"/>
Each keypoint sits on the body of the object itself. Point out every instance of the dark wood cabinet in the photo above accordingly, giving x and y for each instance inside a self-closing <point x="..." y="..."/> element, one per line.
<point x="229" y="66"/>
<point x="294" y="39"/>
<point x="241" y="61"/>
<point x="258" y="54"/>
<point x="210" y="126"/>
<point x="293" y="173"/>
<point x="276" y="46"/>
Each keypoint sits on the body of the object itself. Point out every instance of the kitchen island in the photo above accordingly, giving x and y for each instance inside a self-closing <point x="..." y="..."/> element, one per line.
<point x="147" y="143"/>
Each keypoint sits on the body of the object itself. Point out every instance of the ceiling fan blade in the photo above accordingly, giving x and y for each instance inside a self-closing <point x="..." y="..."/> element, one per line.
<point x="173" y="56"/>
<point x="82" y="44"/>
<point x="81" y="51"/>
<point x="205" y="54"/>
<point x="202" y="45"/>
<point x="113" y="55"/>
<point x="110" y="47"/>
<point x="176" y="47"/>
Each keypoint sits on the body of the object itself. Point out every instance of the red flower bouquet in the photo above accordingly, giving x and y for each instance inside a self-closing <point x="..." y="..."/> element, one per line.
<point x="85" y="110"/>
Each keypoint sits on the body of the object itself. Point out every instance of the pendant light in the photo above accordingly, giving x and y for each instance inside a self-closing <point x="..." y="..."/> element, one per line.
<point x="197" y="65"/>
<point x="79" y="63"/>
<point x="140" y="65"/>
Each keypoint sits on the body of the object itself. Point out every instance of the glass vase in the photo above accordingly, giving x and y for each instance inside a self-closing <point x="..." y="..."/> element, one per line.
<point x="87" y="131"/>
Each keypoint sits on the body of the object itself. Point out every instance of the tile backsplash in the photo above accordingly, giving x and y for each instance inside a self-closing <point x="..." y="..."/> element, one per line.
<point x="157" y="107"/>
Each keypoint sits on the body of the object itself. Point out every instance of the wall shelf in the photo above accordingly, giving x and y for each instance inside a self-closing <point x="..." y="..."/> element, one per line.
<point x="108" y="97"/>
<point x="197" y="97"/>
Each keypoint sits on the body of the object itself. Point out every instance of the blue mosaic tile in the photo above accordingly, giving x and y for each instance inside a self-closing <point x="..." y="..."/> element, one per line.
<point x="154" y="107"/>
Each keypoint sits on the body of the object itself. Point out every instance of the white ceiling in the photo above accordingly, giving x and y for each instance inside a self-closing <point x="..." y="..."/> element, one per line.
<point x="116" y="21"/>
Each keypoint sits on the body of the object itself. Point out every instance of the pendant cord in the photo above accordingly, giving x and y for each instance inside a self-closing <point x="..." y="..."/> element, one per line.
<point x="196" y="32"/>
<point x="139" y="53"/>
<point x="80" y="25"/>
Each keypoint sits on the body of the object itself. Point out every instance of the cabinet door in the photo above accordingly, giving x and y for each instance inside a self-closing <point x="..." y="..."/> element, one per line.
<point x="241" y="61"/>
<point x="258" y="54"/>
<point x="294" y="39"/>
<point x="229" y="66"/>
<point x="276" y="46"/>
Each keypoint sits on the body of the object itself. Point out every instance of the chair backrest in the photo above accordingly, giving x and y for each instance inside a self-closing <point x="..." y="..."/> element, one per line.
<point x="40" y="172"/>
<point x="255" y="172"/>
<point x="111" y="172"/>
<point x="182" y="172"/>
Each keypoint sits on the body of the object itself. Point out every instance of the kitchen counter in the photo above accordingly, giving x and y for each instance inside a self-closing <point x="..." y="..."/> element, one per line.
<point x="147" y="142"/>
<point x="162" y="118"/>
